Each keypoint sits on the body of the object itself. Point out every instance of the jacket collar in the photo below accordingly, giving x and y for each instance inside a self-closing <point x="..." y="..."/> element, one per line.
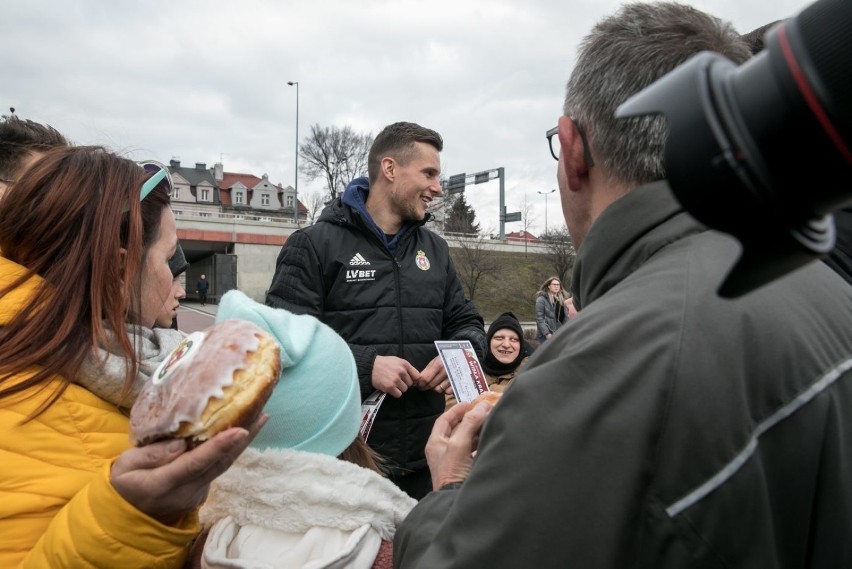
<point x="292" y="491"/>
<point x="630" y="231"/>
<point x="353" y="203"/>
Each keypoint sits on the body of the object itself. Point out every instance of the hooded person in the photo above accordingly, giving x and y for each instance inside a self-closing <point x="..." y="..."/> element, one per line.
<point x="507" y="352"/>
<point x="309" y="491"/>
<point x="178" y="263"/>
<point x="178" y="266"/>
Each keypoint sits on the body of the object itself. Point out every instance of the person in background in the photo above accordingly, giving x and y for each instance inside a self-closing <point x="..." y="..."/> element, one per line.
<point x="308" y="491"/>
<point x="755" y="38"/>
<point x="666" y="427"/>
<point x="178" y="266"/>
<point x="86" y="238"/>
<point x="508" y="351"/>
<point x="201" y="288"/>
<point x="371" y="270"/>
<point x="22" y="142"/>
<point x="551" y="304"/>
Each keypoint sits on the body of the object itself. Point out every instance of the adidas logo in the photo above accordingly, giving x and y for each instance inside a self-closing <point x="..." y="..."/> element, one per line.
<point x="358" y="260"/>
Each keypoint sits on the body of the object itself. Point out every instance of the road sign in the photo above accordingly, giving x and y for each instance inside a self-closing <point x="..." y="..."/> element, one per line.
<point x="482" y="177"/>
<point x="514" y="216"/>
<point x="455" y="184"/>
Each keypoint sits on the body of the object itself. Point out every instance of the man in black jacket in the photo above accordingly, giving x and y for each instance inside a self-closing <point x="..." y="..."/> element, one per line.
<point x="371" y="270"/>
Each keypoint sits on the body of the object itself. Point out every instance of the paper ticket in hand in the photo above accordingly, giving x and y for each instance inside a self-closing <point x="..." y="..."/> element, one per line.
<point x="463" y="369"/>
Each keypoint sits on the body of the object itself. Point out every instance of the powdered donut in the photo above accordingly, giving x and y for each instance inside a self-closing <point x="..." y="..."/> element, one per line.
<point x="215" y="379"/>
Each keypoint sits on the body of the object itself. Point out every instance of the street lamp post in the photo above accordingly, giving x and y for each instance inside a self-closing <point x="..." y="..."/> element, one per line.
<point x="296" y="173"/>
<point x="545" y="194"/>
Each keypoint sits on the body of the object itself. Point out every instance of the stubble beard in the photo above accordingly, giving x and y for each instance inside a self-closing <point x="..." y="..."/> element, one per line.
<point x="409" y="210"/>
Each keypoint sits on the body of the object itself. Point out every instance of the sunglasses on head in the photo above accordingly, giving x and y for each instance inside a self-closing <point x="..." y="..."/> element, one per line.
<point x="160" y="176"/>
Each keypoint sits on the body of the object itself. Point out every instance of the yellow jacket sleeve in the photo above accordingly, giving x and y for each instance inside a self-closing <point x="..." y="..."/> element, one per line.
<point x="98" y="528"/>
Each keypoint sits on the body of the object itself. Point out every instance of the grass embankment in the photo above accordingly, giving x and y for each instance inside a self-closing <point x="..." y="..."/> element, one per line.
<point x="512" y="288"/>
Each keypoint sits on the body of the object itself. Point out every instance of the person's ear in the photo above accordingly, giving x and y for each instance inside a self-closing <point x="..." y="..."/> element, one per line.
<point x="571" y="153"/>
<point x="388" y="168"/>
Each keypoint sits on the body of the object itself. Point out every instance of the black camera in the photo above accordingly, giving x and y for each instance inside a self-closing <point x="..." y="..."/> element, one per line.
<point x="763" y="150"/>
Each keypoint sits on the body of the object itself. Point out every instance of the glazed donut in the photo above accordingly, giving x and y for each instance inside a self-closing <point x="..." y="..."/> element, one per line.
<point x="215" y="379"/>
<point x="492" y="397"/>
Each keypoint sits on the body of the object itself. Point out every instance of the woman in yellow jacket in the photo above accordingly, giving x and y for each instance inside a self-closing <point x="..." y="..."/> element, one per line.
<point x="86" y="238"/>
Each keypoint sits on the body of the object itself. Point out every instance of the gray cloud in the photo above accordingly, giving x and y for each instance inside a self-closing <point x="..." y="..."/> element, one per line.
<point x="204" y="80"/>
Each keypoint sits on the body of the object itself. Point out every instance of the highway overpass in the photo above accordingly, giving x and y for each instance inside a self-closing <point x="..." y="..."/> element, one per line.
<point x="239" y="251"/>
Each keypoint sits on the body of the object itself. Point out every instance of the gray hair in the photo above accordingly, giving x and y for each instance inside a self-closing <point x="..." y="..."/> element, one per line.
<point x="622" y="55"/>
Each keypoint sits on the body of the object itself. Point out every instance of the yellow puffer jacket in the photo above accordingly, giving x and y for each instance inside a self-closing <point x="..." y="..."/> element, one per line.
<point x="57" y="506"/>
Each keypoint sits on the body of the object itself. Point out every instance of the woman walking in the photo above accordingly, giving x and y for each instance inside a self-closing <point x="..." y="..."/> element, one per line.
<point x="552" y="307"/>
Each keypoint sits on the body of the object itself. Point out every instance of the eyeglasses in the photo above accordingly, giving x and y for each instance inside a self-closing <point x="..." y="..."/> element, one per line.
<point x="553" y="143"/>
<point x="161" y="176"/>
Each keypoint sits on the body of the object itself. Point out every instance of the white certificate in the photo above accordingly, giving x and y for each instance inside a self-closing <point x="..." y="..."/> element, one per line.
<point x="463" y="369"/>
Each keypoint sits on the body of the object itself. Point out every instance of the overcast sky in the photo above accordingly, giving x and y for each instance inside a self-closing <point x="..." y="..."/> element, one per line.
<point x="207" y="81"/>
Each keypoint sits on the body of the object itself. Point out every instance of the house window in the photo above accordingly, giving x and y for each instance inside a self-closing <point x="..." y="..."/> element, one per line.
<point x="175" y="193"/>
<point x="264" y="199"/>
<point x="238" y="198"/>
<point x="289" y="201"/>
<point x="205" y="195"/>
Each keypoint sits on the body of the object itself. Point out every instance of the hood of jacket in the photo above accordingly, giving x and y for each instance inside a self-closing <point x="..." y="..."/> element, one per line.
<point x="352" y="205"/>
<point x="293" y="491"/>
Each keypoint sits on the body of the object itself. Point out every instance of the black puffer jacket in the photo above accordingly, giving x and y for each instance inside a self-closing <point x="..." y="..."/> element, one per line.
<point x="384" y="304"/>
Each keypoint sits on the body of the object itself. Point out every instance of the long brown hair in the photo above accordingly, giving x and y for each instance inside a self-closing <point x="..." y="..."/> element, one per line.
<point x="75" y="220"/>
<point x="545" y="288"/>
<point x="359" y="453"/>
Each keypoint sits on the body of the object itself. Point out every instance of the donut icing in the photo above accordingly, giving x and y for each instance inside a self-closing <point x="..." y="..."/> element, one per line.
<point x="196" y="371"/>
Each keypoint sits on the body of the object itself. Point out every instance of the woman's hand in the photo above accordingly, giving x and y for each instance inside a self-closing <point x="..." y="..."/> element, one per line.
<point x="453" y="441"/>
<point x="166" y="481"/>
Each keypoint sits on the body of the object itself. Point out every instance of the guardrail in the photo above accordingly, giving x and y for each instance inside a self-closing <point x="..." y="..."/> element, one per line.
<point x="490" y="241"/>
<point x="234" y="217"/>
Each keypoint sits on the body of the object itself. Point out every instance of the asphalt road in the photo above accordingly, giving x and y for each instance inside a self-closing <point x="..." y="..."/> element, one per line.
<point x="193" y="317"/>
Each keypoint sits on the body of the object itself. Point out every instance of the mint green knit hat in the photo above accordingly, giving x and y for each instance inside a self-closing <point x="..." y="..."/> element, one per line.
<point x="316" y="406"/>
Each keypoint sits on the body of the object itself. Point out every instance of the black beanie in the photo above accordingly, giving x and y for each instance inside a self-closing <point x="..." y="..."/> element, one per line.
<point x="492" y="365"/>
<point x="505" y="320"/>
<point x="178" y="263"/>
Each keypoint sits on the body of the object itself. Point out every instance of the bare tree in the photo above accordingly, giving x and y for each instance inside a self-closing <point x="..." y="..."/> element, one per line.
<point x="473" y="262"/>
<point x="527" y="220"/>
<point x="314" y="201"/>
<point x="561" y="252"/>
<point x="336" y="154"/>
